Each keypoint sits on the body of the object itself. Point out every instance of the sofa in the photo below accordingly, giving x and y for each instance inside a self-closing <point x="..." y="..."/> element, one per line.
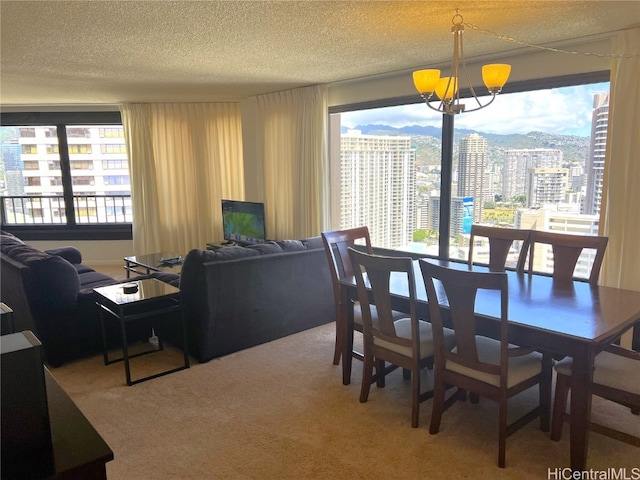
<point x="51" y="294"/>
<point x="237" y="297"/>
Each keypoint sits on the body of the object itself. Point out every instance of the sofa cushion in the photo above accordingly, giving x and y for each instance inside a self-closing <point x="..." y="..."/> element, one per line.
<point x="80" y="268"/>
<point x="93" y="279"/>
<point x="7" y="238"/>
<point x="313" y="243"/>
<point x="25" y="254"/>
<point x="291" y="245"/>
<point x="228" y="253"/>
<point x="266" y="248"/>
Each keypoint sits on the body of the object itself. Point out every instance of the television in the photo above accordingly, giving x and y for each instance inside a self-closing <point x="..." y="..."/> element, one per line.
<point x="243" y="222"/>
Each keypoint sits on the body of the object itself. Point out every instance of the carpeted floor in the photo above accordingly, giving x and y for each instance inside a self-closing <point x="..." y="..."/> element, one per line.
<point x="280" y="411"/>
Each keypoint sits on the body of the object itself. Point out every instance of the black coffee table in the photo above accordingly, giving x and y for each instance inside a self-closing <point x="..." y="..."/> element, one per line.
<point x="153" y="262"/>
<point x="151" y="298"/>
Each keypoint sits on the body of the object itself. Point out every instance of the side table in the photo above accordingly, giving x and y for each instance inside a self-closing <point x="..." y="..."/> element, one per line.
<point x="151" y="298"/>
<point x="7" y="322"/>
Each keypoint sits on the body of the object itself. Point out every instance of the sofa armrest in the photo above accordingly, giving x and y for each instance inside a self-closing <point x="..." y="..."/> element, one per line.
<point x="70" y="254"/>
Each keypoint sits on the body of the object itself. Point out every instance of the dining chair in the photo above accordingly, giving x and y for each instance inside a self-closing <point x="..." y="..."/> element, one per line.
<point x="615" y="378"/>
<point x="501" y="241"/>
<point x="566" y="250"/>
<point x="335" y="246"/>
<point x="405" y="342"/>
<point x="490" y="368"/>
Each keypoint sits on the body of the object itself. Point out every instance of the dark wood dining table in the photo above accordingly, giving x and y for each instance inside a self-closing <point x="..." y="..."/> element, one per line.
<point x="573" y="319"/>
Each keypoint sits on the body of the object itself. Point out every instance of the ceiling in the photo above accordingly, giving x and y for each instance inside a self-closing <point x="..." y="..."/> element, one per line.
<point x="109" y="52"/>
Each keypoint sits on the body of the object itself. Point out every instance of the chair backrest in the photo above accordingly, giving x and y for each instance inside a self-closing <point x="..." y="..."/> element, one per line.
<point x="379" y="270"/>
<point x="500" y="243"/>
<point x="336" y="244"/>
<point x="566" y="251"/>
<point x="457" y="290"/>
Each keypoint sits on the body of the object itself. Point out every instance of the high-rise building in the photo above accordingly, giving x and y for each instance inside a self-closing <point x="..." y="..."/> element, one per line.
<point x="99" y="173"/>
<point x="547" y="186"/>
<point x="377" y="186"/>
<point x="472" y="160"/>
<point x="552" y="218"/>
<point x="595" y="162"/>
<point x="518" y="163"/>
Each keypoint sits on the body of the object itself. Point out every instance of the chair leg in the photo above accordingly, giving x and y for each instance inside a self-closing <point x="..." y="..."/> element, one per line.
<point x="367" y="375"/>
<point x="380" y="374"/>
<point x="347" y="354"/>
<point x="502" y="431"/>
<point x="415" y="402"/>
<point x="474" y="397"/>
<point x="337" y="352"/>
<point x="545" y="391"/>
<point x="406" y="373"/>
<point x="438" y="407"/>
<point x="559" y="406"/>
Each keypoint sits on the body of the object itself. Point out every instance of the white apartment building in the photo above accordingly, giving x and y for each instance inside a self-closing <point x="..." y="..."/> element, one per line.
<point x="377" y="186"/>
<point x="547" y="185"/>
<point x="518" y="163"/>
<point x="98" y="166"/>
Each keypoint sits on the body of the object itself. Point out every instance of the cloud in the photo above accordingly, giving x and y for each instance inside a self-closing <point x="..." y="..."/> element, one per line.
<point x="565" y="110"/>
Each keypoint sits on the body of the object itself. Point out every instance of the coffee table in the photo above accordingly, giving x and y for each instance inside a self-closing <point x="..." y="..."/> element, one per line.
<point x="153" y="262"/>
<point x="151" y="298"/>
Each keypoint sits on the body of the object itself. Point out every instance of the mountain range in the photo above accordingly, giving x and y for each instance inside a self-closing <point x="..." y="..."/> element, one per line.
<point x="575" y="148"/>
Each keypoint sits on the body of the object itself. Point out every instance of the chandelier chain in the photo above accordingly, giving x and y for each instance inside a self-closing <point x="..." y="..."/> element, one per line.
<point x="551" y="49"/>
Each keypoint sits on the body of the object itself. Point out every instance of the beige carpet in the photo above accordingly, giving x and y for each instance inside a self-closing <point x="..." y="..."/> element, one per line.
<point x="280" y="411"/>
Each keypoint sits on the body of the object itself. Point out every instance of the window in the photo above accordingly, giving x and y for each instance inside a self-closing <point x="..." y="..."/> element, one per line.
<point x="78" y="148"/>
<point x="113" y="148"/>
<point x="81" y="164"/>
<point x="31" y="165"/>
<point x="541" y="170"/>
<point x="114" y="164"/>
<point x="52" y="176"/>
<point x="29" y="149"/>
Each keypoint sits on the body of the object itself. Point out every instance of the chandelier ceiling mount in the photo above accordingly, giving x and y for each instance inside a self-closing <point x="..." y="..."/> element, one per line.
<point x="447" y="89"/>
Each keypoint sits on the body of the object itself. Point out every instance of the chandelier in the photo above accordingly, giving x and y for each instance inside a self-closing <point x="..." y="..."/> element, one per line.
<point x="428" y="82"/>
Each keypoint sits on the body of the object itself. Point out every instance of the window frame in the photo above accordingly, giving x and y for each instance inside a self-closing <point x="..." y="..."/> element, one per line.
<point x="70" y="230"/>
<point x="448" y="126"/>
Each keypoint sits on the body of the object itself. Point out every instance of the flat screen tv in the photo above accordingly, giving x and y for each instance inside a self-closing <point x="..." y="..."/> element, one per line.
<point x="243" y="222"/>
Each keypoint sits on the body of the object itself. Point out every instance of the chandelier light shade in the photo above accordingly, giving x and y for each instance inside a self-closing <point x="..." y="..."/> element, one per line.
<point x="428" y="82"/>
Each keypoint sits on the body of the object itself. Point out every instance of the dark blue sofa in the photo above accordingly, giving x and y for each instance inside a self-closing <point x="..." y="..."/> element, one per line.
<point x="51" y="294"/>
<point x="238" y="297"/>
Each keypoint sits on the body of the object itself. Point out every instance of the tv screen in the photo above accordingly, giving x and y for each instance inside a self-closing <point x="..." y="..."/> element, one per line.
<point x="243" y="222"/>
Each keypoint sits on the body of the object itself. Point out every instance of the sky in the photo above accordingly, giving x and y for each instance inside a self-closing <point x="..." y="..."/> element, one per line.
<point x="565" y="111"/>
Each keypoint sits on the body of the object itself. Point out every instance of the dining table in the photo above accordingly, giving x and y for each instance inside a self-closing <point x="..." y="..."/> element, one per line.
<point x="575" y="319"/>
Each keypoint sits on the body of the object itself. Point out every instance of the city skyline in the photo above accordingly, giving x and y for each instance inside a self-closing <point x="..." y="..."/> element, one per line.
<point x="564" y="111"/>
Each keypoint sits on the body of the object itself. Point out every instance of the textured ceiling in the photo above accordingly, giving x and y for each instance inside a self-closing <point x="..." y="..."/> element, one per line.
<point x="108" y="52"/>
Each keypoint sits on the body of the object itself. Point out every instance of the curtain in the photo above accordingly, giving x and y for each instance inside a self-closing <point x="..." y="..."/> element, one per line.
<point x="183" y="160"/>
<point x="291" y="136"/>
<point x="619" y="218"/>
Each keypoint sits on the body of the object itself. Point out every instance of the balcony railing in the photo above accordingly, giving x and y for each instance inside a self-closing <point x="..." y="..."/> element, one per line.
<point x="50" y="210"/>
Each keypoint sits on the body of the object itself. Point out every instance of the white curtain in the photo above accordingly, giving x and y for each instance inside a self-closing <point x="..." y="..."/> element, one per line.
<point x="619" y="217"/>
<point x="183" y="160"/>
<point x="291" y="136"/>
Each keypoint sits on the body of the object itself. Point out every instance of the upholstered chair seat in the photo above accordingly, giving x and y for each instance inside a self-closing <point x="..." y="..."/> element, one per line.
<point x="520" y="368"/>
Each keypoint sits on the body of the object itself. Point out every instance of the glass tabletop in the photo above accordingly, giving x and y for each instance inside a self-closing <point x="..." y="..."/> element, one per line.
<point x="141" y="290"/>
<point x="157" y="261"/>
